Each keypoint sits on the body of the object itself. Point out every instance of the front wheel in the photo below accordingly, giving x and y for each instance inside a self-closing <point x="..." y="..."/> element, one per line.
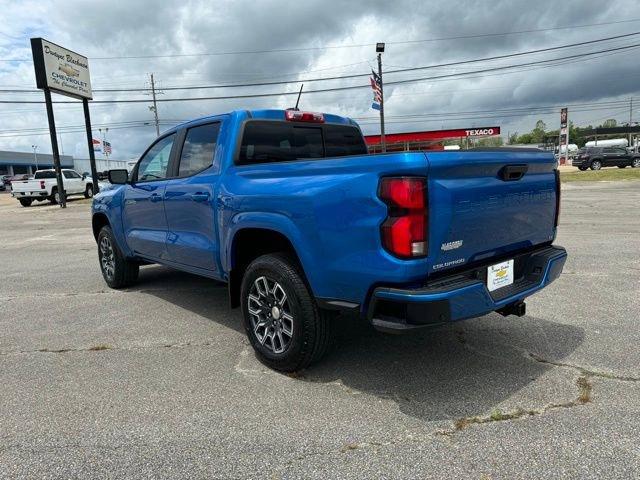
<point x="596" y="165"/>
<point x="117" y="271"/>
<point x="636" y="163"/>
<point x="88" y="191"/>
<point x="284" y="325"/>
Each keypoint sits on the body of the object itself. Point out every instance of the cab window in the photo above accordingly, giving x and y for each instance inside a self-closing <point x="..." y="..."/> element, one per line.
<point x="199" y="149"/>
<point x="155" y="163"/>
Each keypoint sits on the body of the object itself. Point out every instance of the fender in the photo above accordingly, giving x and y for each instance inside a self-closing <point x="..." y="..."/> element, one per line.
<point x="109" y="203"/>
<point x="278" y="223"/>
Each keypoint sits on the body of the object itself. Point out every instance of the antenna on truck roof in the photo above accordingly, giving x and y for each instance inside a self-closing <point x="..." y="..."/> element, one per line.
<point x="298" y="100"/>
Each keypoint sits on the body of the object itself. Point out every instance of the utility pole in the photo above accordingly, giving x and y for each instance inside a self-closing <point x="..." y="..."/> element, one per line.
<point x="380" y="51"/>
<point x="155" y="105"/>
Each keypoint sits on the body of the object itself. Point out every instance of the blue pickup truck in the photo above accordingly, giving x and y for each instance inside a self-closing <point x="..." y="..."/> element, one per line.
<point x="290" y="210"/>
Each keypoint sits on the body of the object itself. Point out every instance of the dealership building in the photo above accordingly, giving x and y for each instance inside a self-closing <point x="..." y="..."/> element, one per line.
<point x="16" y="163"/>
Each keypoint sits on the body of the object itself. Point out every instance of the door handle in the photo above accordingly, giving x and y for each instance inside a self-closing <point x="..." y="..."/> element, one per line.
<point x="200" y="197"/>
<point x="155" y="198"/>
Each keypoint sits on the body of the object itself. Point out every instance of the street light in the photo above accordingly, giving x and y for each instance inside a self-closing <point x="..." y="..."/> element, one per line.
<point x="35" y="156"/>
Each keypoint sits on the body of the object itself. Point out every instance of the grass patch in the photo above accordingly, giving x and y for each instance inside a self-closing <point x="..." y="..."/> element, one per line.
<point x="607" y="174"/>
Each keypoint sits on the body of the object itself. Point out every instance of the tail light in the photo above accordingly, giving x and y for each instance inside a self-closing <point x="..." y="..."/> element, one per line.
<point x="42" y="184"/>
<point x="297" y="116"/>
<point x="558" y="189"/>
<point x="404" y="232"/>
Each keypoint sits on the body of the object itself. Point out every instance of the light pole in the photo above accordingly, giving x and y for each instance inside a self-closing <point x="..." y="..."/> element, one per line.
<point x="104" y="139"/>
<point x="35" y="155"/>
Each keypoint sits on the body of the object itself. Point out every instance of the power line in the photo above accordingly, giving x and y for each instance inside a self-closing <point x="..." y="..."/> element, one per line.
<point x="358" y="75"/>
<point x="361" y="45"/>
<point x="349" y="87"/>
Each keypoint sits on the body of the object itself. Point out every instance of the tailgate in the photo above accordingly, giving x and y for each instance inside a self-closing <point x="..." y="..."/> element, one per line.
<point x="25" y="186"/>
<point x="485" y="204"/>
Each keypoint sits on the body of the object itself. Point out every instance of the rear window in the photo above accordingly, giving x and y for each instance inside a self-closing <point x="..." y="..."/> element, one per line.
<point x="269" y="141"/>
<point x="44" y="174"/>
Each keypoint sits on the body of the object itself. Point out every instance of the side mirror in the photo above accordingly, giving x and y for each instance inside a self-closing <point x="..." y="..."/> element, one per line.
<point x="84" y="176"/>
<point x="119" y="176"/>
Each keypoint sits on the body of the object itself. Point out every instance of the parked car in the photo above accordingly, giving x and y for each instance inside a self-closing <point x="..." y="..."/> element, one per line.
<point x="597" y="157"/>
<point x="15" y="178"/>
<point x="291" y="212"/>
<point x="2" y="187"/>
<point x="44" y="186"/>
<point x="5" y="180"/>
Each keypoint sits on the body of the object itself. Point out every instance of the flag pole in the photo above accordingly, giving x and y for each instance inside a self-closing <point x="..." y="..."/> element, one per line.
<point x="380" y="50"/>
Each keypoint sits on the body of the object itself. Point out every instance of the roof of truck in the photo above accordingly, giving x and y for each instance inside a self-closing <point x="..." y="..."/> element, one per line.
<point x="264" y="114"/>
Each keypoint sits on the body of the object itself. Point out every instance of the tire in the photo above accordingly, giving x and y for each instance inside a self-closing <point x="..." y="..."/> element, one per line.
<point x="55" y="197"/>
<point x="116" y="270"/>
<point x="88" y="191"/>
<point x="582" y="169"/>
<point x="596" y="165"/>
<point x="25" y="202"/>
<point x="281" y="305"/>
<point x="635" y="163"/>
<point x="622" y="166"/>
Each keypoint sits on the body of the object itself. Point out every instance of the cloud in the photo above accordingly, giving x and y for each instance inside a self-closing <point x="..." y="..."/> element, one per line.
<point x="116" y="29"/>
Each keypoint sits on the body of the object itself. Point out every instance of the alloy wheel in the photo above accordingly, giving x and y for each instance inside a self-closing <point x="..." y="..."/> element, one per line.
<point x="636" y="163"/>
<point x="270" y="314"/>
<point x="107" y="257"/>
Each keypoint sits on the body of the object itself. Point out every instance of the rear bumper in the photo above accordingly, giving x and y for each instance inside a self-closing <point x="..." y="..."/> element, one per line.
<point x="464" y="294"/>
<point x="36" y="194"/>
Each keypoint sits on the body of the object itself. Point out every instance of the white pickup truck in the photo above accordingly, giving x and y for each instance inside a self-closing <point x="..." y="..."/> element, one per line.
<point x="44" y="186"/>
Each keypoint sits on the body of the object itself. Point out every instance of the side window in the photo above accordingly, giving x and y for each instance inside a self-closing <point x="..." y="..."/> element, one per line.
<point x="199" y="149"/>
<point x="69" y="174"/>
<point x="155" y="163"/>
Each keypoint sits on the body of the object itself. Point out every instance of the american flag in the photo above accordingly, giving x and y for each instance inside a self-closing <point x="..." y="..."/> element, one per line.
<point x="107" y="148"/>
<point x="376" y="85"/>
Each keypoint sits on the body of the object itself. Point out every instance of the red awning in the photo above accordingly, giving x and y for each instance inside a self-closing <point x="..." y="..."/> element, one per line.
<point x="433" y="135"/>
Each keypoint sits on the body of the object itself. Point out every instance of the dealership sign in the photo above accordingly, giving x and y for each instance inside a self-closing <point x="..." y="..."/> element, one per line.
<point x="60" y="70"/>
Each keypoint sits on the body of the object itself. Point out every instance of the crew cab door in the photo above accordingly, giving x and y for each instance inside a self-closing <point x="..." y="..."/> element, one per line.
<point x="143" y="216"/>
<point x="72" y="182"/>
<point x="190" y="200"/>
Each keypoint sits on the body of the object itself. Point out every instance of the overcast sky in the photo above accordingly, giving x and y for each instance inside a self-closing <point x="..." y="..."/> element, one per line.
<point x="315" y="39"/>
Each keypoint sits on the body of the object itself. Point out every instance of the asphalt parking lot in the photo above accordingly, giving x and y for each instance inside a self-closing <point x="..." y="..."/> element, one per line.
<point x="159" y="381"/>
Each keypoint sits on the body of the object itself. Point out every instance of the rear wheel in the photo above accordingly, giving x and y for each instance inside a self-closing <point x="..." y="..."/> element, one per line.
<point x="596" y="165"/>
<point x="284" y="325"/>
<point x="55" y="196"/>
<point x="635" y="163"/>
<point x="25" y="202"/>
<point x="88" y="191"/>
<point x="117" y="271"/>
